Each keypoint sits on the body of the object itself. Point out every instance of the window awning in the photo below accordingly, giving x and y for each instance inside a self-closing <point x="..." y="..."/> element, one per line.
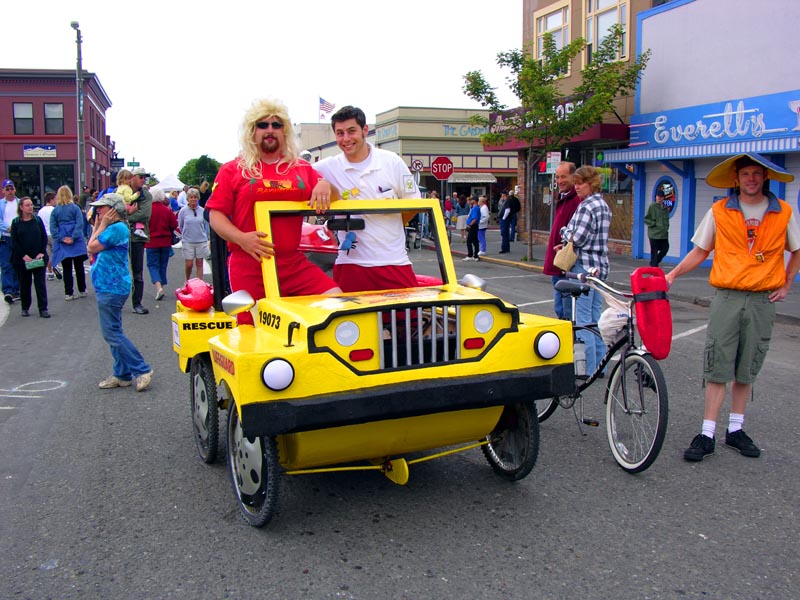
<point x="472" y="178"/>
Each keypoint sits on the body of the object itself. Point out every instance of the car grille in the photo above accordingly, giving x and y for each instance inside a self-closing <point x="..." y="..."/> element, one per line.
<point x="419" y="336"/>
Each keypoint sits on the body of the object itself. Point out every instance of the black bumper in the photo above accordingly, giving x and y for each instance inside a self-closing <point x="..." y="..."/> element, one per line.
<point x="406" y="400"/>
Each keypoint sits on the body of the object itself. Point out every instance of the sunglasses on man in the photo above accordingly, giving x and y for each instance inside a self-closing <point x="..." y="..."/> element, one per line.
<point x="267" y="124"/>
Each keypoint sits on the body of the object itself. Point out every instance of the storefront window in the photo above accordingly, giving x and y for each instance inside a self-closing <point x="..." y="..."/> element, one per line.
<point x="35" y="180"/>
<point x="28" y="181"/>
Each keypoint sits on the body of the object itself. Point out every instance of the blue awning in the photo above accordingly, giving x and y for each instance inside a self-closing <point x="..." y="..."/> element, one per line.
<point x="775" y="145"/>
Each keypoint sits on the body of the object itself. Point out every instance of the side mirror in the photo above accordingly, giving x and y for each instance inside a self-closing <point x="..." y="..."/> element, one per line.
<point x="473" y="281"/>
<point x="237" y="302"/>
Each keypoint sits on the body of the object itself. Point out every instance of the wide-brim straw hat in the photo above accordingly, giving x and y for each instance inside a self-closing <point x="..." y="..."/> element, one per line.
<point x="724" y="174"/>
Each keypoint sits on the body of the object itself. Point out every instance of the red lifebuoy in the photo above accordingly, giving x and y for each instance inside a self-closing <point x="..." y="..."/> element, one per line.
<point x="653" y="312"/>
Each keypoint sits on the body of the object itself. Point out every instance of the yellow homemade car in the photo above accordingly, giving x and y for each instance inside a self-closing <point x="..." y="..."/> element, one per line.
<point x="371" y="380"/>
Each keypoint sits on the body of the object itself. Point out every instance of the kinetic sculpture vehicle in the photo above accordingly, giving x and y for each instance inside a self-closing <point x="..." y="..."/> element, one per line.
<point x="364" y="380"/>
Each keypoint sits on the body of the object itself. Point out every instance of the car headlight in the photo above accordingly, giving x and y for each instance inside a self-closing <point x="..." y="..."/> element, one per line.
<point x="347" y="333"/>
<point x="277" y="374"/>
<point x="547" y="345"/>
<point x="483" y="321"/>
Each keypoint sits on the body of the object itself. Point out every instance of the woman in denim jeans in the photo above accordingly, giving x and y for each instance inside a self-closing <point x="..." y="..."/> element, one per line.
<point x="111" y="279"/>
<point x="588" y="229"/>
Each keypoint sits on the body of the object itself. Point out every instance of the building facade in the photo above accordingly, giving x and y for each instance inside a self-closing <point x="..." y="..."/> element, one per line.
<point x="692" y="114"/>
<point x="39" y="131"/>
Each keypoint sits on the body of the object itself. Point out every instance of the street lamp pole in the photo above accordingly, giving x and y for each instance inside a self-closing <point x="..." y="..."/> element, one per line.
<point x="79" y="101"/>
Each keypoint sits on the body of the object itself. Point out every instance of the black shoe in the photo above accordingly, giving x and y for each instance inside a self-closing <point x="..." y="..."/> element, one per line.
<point x="8" y="298"/>
<point x="740" y="441"/>
<point x="25" y="313"/>
<point x="504" y="251"/>
<point x="702" y="446"/>
<point x="15" y="297"/>
<point x="44" y="314"/>
<point x="140" y="310"/>
<point x="57" y="272"/>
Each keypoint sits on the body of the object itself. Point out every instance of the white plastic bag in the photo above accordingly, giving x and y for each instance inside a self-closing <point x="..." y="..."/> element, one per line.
<point x="613" y="319"/>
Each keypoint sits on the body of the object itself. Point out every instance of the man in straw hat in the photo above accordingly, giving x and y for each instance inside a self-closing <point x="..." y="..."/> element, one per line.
<point x="749" y="231"/>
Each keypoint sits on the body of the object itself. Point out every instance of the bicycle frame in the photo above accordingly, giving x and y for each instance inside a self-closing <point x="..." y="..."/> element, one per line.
<point x="625" y="343"/>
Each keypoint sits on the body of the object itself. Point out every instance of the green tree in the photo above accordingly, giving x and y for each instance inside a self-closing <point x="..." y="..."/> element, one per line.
<point x="198" y="169"/>
<point x="537" y="84"/>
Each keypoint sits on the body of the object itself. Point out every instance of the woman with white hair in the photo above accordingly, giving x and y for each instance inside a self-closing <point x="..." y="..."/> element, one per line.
<point x="163" y="223"/>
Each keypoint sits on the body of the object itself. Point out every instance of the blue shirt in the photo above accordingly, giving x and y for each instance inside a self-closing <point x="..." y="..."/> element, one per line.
<point x="110" y="274"/>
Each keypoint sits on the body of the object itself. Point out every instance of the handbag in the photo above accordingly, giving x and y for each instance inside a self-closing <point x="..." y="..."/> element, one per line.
<point x="176" y="237"/>
<point x="565" y="258"/>
<point x="36" y="263"/>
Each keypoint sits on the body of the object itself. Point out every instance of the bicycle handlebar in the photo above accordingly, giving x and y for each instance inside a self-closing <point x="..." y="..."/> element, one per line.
<point x="592" y="279"/>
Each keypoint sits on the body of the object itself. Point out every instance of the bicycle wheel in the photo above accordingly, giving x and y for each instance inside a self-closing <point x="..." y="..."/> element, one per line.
<point x="514" y="444"/>
<point x="636" y="412"/>
<point x="545" y="408"/>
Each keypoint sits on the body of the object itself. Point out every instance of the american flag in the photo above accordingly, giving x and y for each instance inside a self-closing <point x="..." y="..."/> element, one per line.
<point x="325" y="108"/>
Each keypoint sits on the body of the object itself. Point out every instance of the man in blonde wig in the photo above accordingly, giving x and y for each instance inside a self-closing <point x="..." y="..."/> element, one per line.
<point x="268" y="168"/>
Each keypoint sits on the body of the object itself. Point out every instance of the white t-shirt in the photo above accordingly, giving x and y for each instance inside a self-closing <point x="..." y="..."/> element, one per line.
<point x="706" y="234"/>
<point x="44" y="214"/>
<point x="10" y="214"/>
<point x="382" y="175"/>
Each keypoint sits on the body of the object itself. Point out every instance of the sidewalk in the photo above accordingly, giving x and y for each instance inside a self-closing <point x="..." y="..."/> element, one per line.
<point x="692" y="287"/>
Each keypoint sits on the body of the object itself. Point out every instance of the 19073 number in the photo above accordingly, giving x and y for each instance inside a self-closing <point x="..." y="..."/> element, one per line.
<point x="269" y="319"/>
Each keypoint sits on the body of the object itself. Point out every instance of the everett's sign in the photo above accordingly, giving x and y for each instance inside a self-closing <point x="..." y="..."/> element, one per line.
<point x="733" y="120"/>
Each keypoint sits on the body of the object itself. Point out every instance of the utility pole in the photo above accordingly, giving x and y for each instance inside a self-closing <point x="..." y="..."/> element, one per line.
<point x="79" y="101"/>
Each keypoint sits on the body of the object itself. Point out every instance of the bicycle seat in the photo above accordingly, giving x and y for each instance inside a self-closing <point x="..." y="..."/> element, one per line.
<point x="574" y="288"/>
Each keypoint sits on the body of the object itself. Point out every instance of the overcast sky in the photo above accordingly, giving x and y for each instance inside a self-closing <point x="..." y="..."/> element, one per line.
<point x="181" y="74"/>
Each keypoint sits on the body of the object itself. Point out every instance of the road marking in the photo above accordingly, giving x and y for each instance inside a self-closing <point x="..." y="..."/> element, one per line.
<point x="27" y="390"/>
<point x="537" y="302"/>
<point x="689" y="332"/>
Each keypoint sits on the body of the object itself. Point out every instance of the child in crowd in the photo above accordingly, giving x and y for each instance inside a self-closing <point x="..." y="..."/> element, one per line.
<point x="125" y="190"/>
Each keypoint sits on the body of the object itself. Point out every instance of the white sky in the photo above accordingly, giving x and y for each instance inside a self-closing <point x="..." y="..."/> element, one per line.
<point x="181" y="74"/>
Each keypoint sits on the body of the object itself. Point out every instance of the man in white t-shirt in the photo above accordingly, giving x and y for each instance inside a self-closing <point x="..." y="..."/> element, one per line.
<point x="8" y="212"/>
<point x="379" y="259"/>
<point x="44" y="214"/>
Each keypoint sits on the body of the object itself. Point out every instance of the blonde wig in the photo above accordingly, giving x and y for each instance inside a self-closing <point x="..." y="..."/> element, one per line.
<point x="250" y="158"/>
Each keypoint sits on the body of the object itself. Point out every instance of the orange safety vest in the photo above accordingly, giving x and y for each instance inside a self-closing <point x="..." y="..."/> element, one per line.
<point x="751" y="264"/>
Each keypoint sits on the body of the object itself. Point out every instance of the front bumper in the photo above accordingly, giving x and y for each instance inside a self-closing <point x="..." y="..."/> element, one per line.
<point x="406" y="400"/>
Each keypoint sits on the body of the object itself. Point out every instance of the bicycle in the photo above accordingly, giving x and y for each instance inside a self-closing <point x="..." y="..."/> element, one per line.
<point x="636" y="394"/>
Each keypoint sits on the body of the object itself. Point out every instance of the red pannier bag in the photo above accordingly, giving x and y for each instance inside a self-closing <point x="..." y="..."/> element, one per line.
<point x="653" y="313"/>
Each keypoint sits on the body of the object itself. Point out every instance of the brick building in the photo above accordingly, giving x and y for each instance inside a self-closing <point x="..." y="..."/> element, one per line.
<point x="39" y="131"/>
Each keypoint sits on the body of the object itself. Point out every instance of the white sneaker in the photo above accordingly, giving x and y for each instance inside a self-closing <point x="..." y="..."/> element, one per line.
<point x="113" y="382"/>
<point x="81" y="294"/>
<point x="481" y="253"/>
<point x="143" y="381"/>
<point x="467" y="258"/>
<point x="72" y="297"/>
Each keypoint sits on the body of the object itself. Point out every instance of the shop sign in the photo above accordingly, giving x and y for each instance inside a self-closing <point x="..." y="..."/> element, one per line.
<point x="39" y="151"/>
<point x="761" y="117"/>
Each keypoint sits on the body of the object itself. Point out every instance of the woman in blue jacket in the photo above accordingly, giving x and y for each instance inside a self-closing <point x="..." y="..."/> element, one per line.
<point x="67" y="227"/>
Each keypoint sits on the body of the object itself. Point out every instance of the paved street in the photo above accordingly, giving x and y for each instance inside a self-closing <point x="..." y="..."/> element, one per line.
<point x="102" y="494"/>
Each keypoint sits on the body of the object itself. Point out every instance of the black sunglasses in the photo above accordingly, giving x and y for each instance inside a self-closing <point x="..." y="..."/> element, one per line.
<point x="266" y="124"/>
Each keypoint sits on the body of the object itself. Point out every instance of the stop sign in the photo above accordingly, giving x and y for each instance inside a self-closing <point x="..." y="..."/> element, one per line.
<point x="441" y="167"/>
